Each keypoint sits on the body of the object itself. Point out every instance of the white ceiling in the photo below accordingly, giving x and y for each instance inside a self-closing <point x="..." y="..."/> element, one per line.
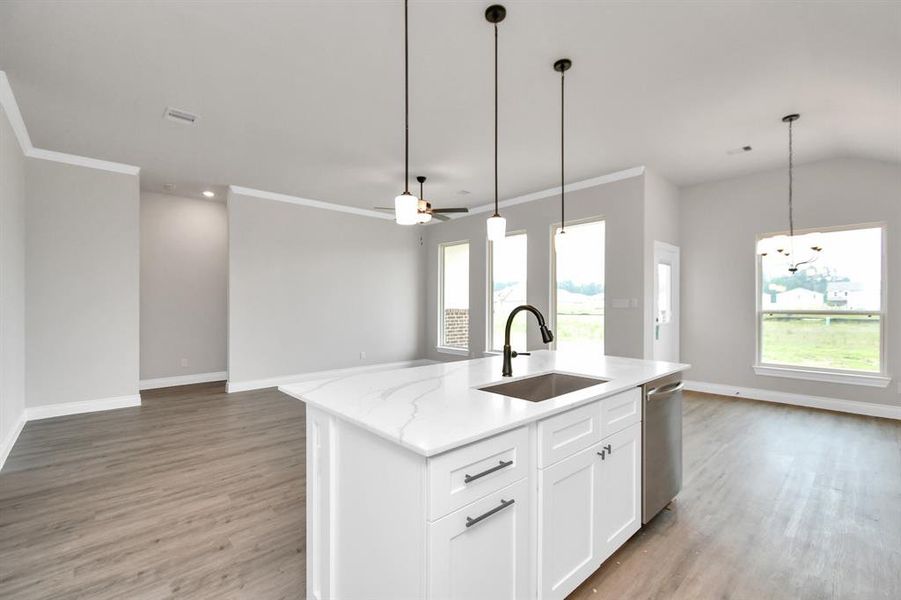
<point x="306" y="98"/>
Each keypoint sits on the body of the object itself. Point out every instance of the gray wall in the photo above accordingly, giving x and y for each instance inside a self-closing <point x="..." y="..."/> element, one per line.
<point x="309" y="289"/>
<point x="661" y="224"/>
<point x="620" y="203"/>
<point x="719" y="225"/>
<point x="184" y="285"/>
<point x="12" y="280"/>
<point x="82" y="293"/>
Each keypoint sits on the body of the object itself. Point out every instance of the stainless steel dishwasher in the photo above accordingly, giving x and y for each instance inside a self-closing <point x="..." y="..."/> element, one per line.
<point x="661" y="440"/>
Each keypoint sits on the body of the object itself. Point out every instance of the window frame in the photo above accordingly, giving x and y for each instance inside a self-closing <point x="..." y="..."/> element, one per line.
<point x="440" y="345"/>
<point x="824" y="374"/>
<point x="489" y="285"/>
<point x="552" y="292"/>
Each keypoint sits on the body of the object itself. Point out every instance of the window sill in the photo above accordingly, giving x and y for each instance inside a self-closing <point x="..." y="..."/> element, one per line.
<point x="454" y="351"/>
<point x="489" y="353"/>
<point x="880" y="381"/>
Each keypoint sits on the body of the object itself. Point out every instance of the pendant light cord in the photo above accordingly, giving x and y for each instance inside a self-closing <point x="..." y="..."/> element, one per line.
<point x="562" y="176"/>
<point x="496" y="214"/>
<point x="791" y="221"/>
<point x="406" y="103"/>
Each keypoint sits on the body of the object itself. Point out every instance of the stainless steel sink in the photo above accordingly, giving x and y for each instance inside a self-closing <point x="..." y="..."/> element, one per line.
<point x="543" y="387"/>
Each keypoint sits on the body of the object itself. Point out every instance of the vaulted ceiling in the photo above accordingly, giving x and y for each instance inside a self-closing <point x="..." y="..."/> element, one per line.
<point x="306" y="98"/>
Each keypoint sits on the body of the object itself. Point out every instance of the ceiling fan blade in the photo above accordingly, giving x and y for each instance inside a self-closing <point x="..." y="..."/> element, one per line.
<point x="450" y="210"/>
<point x="440" y="217"/>
<point x="382" y="208"/>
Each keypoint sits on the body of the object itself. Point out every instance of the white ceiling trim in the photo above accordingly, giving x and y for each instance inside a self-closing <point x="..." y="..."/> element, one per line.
<point x="83" y="161"/>
<point x="11" y="108"/>
<point x="555" y="191"/>
<point x="236" y="189"/>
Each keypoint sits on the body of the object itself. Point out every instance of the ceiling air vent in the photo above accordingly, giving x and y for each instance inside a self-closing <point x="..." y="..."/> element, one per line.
<point x="180" y="116"/>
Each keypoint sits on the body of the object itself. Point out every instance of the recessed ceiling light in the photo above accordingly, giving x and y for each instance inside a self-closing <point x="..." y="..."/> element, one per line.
<point x="209" y="193"/>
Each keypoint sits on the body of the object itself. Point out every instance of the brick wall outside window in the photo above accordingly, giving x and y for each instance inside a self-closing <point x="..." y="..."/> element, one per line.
<point x="456" y="327"/>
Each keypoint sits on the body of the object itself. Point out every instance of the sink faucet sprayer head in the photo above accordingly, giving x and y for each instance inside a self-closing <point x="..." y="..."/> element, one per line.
<point x="547" y="336"/>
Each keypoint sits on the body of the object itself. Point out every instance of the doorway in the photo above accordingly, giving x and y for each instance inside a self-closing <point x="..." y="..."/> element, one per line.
<point x="666" y="302"/>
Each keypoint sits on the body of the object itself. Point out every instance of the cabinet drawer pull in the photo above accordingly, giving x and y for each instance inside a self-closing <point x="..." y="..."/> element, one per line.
<point x="500" y="465"/>
<point x="504" y="504"/>
<point x="608" y="449"/>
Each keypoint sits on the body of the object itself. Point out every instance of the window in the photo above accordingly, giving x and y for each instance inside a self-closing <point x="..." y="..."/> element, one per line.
<point x="507" y="276"/>
<point x="828" y="316"/>
<point x="453" y="326"/>
<point x="579" y="289"/>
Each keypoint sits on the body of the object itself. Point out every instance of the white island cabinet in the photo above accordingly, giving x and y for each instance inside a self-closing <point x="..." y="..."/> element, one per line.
<point x="421" y="485"/>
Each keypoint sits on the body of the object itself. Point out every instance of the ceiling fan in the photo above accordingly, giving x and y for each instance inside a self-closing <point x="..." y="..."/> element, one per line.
<point x="424" y="211"/>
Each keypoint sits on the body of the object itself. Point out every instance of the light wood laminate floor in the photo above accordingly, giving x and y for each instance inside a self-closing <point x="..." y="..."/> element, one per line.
<point x="200" y="494"/>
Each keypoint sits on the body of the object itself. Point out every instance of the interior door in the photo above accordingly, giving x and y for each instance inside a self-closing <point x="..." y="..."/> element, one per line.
<point x="666" y="302"/>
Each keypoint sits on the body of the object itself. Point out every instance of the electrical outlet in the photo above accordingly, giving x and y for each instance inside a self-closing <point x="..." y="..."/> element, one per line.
<point x="184" y="362"/>
<point x="363" y="355"/>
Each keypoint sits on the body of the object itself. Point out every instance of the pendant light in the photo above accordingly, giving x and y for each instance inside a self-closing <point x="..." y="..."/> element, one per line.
<point x="497" y="225"/>
<point x="406" y="205"/>
<point x="784" y="245"/>
<point x="562" y="66"/>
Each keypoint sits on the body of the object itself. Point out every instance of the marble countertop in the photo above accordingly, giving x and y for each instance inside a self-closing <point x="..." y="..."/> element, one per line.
<point x="435" y="408"/>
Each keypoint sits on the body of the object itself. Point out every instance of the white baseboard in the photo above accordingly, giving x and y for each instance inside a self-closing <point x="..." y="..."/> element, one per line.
<point x="838" y="404"/>
<point x="34" y="413"/>
<point x="256" y="384"/>
<point x="164" y="382"/>
<point x="11" y="437"/>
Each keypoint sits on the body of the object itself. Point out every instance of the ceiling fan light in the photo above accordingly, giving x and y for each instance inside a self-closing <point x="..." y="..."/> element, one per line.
<point x="497" y="228"/>
<point x="423" y="217"/>
<point x="406" y="209"/>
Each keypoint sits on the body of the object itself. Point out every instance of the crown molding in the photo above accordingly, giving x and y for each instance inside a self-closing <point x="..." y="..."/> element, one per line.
<point x="83" y="161"/>
<point x="243" y="191"/>
<point x="555" y="191"/>
<point x="11" y="108"/>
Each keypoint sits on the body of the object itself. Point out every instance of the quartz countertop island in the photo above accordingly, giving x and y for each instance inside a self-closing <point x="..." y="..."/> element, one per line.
<point x="435" y="408"/>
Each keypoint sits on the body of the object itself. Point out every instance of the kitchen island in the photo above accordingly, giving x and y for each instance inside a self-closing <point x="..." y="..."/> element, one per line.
<point x="422" y="485"/>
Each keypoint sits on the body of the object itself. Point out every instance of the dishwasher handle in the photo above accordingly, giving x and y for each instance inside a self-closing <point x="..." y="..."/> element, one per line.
<point x="665" y="390"/>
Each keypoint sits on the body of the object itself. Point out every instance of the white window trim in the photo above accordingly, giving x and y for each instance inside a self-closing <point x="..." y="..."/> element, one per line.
<point x="864" y="378"/>
<point x="452" y="350"/>
<point x="489" y="285"/>
<point x="552" y="300"/>
<point x="440" y="347"/>
<point x="828" y="376"/>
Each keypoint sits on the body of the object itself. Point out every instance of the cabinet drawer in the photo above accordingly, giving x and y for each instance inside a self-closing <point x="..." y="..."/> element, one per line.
<point x="569" y="432"/>
<point x="620" y="411"/>
<point x="483" y="551"/>
<point x="466" y="474"/>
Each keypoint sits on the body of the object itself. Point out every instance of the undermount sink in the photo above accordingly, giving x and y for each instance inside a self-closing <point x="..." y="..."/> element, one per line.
<point x="543" y="387"/>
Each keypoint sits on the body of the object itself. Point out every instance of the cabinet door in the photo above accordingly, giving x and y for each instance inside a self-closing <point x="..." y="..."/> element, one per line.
<point x="569" y="534"/>
<point x="483" y="550"/>
<point x="620" y="497"/>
